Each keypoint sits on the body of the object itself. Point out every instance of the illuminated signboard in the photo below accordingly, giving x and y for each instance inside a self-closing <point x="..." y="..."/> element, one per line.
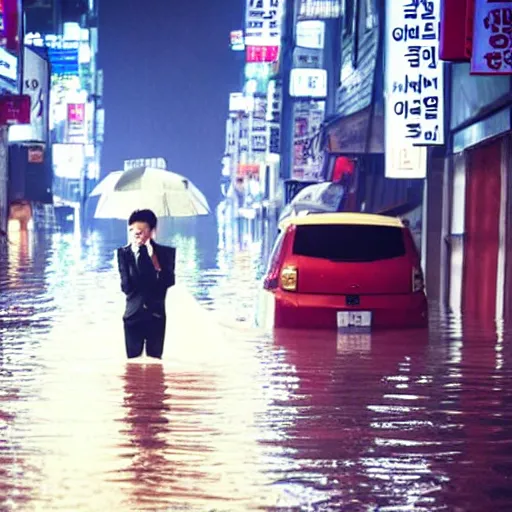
<point x="414" y="74"/>
<point x="238" y="102"/>
<point x="76" y="127"/>
<point x="492" y="53"/>
<point x="405" y="161"/>
<point x="273" y="117"/>
<point x="10" y="25"/>
<point x="263" y="24"/>
<point x="307" y="58"/>
<point x="68" y="160"/>
<point x="154" y="163"/>
<point x="310" y="34"/>
<point x="308" y="83"/>
<point x="257" y="75"/>
<point x="319" y="9"/>
<point x="237" y="40"/>
<point x="14" y="109"/>
<point x="8" y="65"/>
<point x="35" y="85"/>
<point x="262" y="53"/>
<point x="414" y="108"/>
<point x="63" y="54"/>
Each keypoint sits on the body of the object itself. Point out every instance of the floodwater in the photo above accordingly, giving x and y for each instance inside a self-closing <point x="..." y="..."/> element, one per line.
<point x="234" y="419"/>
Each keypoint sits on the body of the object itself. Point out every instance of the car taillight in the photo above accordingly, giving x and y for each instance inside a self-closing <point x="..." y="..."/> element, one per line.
<point x="418" y="283"/>
<point x="289" y="279"/>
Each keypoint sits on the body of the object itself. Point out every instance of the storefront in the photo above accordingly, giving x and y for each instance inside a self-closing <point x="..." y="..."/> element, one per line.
<point x="357" y="131"/>
<point x="12" y="107"/>
<point x="476" y="205"/>
<point x="30" y="165"/>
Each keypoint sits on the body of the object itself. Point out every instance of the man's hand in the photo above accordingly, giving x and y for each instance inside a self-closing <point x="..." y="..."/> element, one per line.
<point x="156" y="263"/>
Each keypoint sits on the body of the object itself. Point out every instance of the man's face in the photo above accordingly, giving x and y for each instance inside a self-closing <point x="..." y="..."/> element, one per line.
<point x="140" y="232"/>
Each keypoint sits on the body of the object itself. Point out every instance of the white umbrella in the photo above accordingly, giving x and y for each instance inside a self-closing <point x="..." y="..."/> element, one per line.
<point x="106" y="184"/>
<point x="167" y="193"/>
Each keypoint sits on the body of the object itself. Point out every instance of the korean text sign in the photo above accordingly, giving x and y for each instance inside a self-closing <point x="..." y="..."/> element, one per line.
<point x="492" y="38"/>
<point x="319" y="9"/>
<point x="414" y="73"/>
<point x="263" y="22"/>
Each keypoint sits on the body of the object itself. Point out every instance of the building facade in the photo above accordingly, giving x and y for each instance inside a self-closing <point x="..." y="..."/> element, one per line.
<point x="476" y="235"/>
<point x="324" y="87"/>
<point x="468" y="199"/>
<point x="14" y="108"/>
<point x="55" y="159"/>
<point x="251" y="162"/>
<point x="409" y="104"/>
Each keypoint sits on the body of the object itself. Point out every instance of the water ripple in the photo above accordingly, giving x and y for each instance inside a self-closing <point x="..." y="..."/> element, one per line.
<point x="235" y="419"/>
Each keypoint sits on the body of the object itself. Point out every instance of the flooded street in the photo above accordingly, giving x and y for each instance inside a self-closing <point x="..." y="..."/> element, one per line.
<point x="234" y="419"/>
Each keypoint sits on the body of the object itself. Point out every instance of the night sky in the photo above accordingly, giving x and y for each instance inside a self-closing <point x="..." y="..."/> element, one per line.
<point x="168" y="72"/>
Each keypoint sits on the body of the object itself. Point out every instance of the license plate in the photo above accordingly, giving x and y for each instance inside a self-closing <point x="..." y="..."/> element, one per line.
<point x="354" y="319"/>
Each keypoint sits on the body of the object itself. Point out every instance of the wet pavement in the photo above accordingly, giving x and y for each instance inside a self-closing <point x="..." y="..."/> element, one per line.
<point x="234" y="419"/>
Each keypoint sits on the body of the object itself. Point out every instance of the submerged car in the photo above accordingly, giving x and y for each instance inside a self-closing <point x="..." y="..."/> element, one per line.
<point x="317" y="198"/>
<point x="336" y="270"/>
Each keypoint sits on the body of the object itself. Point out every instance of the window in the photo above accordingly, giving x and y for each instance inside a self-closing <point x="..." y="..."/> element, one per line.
<point x="275" y="253"/>
<point x="370" y="14"/>
<point x="348" y="20"/>
<point x="349" y="243"/>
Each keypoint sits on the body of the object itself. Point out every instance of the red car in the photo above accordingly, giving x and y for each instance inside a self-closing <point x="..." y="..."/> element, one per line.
<point x="336" y="270"/>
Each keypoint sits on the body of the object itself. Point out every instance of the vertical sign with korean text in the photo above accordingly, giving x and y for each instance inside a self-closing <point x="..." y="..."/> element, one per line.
<point x="263" y="29"/>
<point x="414" y="81"/>
<point x="35" y="85"/>
<point x="414" y="74"/>
<point x="308" y="116"/>
<point x="492" y="38"/>
<point x="76" y="122"/>
<point x="319" y="9"/>
<point x="273" y="117"/>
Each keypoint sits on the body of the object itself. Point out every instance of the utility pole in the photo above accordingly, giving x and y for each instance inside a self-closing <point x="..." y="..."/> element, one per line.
<point x="332" y="62"/>
<point x="287" y="129"/>
<point x="4" y="180"/>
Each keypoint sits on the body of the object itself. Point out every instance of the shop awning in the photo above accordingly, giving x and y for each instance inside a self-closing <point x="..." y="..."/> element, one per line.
<point x="402" y="209"/>
<point x="358" y="133"/>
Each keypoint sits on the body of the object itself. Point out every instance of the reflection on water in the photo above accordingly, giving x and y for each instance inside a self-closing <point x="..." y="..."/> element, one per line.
<point x="234" y="419"/>
<point x="166" y="441"/>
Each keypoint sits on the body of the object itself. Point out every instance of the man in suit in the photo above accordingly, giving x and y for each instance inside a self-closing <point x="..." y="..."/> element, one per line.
<point x="147" y="271"/>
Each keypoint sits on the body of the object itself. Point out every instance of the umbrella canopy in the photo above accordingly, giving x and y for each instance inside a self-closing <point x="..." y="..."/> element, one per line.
<point x="167" y="193"/>
<point x="106" y="184"/>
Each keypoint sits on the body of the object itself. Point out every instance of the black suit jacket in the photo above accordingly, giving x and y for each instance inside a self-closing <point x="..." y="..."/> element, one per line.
<point x="142" y="293"/>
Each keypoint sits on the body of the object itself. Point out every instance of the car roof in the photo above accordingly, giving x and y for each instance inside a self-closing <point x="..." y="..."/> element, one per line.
<point x="363" y="219"/>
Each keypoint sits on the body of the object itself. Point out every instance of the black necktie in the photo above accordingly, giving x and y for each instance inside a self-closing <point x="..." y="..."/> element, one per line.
<point x="144" y="262"/>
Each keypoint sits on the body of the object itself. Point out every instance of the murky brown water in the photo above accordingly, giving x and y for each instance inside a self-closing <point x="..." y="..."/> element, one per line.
<point x="234" y="419"/>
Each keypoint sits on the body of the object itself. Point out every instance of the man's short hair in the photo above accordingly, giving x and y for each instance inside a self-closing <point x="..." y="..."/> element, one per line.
<point x="146" y="216"/>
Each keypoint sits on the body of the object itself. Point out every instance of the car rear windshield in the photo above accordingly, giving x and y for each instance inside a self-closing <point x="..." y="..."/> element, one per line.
<point x="347" y="242"/>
